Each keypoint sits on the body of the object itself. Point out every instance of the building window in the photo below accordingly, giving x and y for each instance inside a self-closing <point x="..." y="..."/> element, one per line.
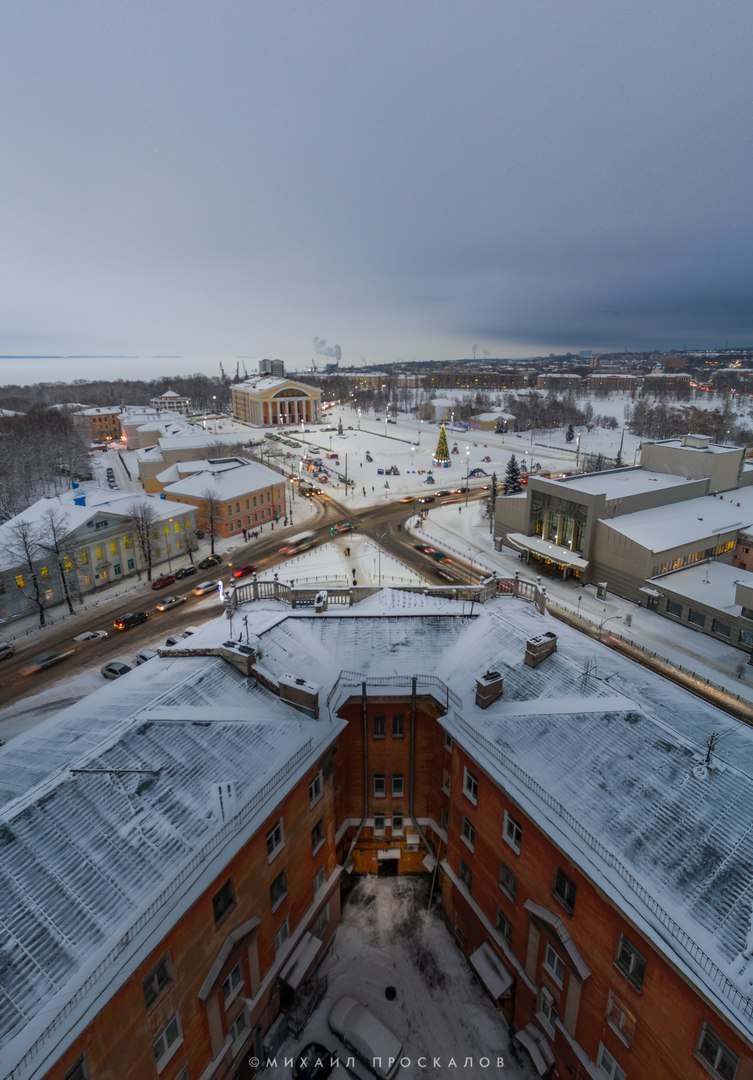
<point x="546" y="1011"/>
<point x="322" y="921"/>
<point x="507" y="880"/>
<point x="608" y="1065"/>
<point x="275" y="840"/>
<point x="445" y="781"/>
<point x="398" y="786"/>
<point x="398" y="726"/>
<point x="282" y="935"/>
<point x="239" y="1028"/>
<point x="316" y="789"/>
<point x="379" y="824"/>
<point x="564" y="890"/>
<point x="447" y="741"/>
<point x="444" y="818"/>
<point x="513" y="832"/>
<point x="620" y="1019"/>
<point x="504" y="926"/>
<point x="713" y="1052"/>
<point x="696" y="617"/>
<point x="630" y="962"/>
<point x="223" y="901"/>
<point x="317" y="836"/>
<point x="468" y="834"/>
<point x="554" y="964"/>
<point x="156" y="982"/>
<point x="721" y="628"/>
<point x="278" y="890"/>
<point x="44" y="571"/>
<point x="470" y="786"/>
<point x="379" y="788"/>
<point x="397" y="824"/>
<point x="20" y="580"/>
<point x="673" y="608"/>
<point x="320" y="878"/>
<point x="380" y="727"/>
<point x="466" y="875"/>
<point x="167" y="1041"/>
<point x="232" y="985"/>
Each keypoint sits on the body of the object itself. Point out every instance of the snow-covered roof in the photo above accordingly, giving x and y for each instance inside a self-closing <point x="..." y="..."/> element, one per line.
<point x="95" y="823"/>
<point x="228" y="483"/>
<point x="619" y="483"/>
<point x="189" y="437"/>
<point x="707" y="447"/>
<point x="104" y="410"/>
<point x="676" y="524"/>
<point x="711" y="583"/>
<point x="271" y="382"/>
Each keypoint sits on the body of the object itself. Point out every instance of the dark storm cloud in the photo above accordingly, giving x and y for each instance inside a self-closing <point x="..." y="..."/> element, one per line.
<point x="213" y="180"/>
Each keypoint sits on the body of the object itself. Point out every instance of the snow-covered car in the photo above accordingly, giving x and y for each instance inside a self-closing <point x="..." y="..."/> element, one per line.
<point x="91" y="635"/>
<point x="144" y="656"/>
<point x="368" y="1038"/>
<point x="170" y="602"/>
<point x="114" y="670"/>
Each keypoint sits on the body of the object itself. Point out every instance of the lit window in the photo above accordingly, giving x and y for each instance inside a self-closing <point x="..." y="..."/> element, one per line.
<point x="98" y="552"/>
<point x="379" y="788"/>
<point x="278" y="890"/>
<point x="513" y="832"/>
<point x="316" y="787"/>
<point x="630" y="962"/>
<point x="608" y="1065"/>
<point x="20" y="580"/>
<point x="398" y="787"/>
<point x="468" y="834"/>
<point x="275" y="840"/>
<point x="716" y="1054"/>
<point x="555" y="965"/>
<point x="223" y="900"/>
<point x="231" y="985"/>
<point x="155" y="983"/>
<point x="44" y="571"/>
<point x="470" y="785"/>
<point x="564" y="889"/>
<point x="282" y="935"/>
<point x="167" y="1041"/>
<point x="620" y="1019"/>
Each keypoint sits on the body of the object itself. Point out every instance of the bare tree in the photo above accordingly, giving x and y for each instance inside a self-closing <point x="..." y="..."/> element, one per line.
<point x="144" y="515"/>
<point x="25" y="550"/>
<point x="212" y="499"/>
<point x="53" y="537"/>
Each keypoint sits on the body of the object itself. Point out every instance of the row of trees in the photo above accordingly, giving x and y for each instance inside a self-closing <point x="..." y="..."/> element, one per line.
<point x="661" y="420"/>
<point x="39" y="455"/>
<point x="201" y="389"/>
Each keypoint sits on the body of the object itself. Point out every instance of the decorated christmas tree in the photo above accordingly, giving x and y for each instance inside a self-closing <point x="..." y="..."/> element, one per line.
<point x="442" y="453"/>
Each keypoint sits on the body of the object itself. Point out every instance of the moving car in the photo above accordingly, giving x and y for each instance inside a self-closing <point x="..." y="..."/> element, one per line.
<point x="7" y="649"/>
<point x="44" y="660"/>
<point x="211" y="560"/>
<point x="170" y="602"/>
<point x="342" y="527"/>
<point x="302" y="543"/>
<point x="205" y="587"/>
<point x="185" y="571"/>
<point x="162" y="581"/>
<point x="426" y="499"/>
<point x="368" y="1038"/>
<point x="244" y="571"/>
<point x="133" y="618"/>
<point x="114" y="669"/>
<point x="91" y="635"/>
<point x="313" y="1062"/>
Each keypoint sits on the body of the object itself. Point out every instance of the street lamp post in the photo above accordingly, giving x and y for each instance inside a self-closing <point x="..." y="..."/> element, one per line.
<point x="467" y="471"/>
<point x="167" y="545"/>
<point x="603" y="622"/>
<point x="359" y="419"/>
<point x="411" y="456"/>
<point x="214" y="410"/>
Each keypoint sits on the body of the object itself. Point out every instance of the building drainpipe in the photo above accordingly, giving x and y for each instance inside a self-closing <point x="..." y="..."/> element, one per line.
<point x="365" y="722"/>
<point x="413" y="762"/>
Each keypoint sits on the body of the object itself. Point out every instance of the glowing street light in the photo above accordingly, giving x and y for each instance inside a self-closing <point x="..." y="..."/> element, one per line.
<point x="467" y="472"/>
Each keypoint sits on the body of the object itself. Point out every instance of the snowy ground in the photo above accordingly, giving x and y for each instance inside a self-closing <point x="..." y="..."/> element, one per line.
<point x="388" y="937"/>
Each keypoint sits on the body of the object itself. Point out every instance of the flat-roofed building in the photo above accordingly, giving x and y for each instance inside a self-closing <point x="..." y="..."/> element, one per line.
<point x="231" y="495"/>
<point x="98" y="424"/>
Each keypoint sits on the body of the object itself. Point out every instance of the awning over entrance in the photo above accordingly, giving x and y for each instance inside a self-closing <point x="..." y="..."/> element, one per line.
<point x="650" y="592"/>
<point x="302" y="960"/>
<point x="490" y="969"/>
<point x="388" y="853"/>
<point x="544" y="549"/>
<point x="534" y="1041"/>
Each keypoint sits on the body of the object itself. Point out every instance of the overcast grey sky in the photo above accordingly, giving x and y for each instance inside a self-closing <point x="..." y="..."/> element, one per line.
<point x="402" y="178"/>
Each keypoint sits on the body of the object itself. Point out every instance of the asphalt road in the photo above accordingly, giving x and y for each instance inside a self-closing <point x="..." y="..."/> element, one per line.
<point x="382" y="523"/>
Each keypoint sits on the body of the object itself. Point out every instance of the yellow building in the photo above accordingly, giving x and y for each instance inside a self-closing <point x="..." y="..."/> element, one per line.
<point x="270" y="402"/>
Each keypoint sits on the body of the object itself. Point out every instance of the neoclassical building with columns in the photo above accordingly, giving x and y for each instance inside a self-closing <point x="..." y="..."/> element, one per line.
<point x="270" y="402"/>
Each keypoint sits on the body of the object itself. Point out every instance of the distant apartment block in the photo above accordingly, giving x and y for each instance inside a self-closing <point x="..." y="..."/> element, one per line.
<point x="98" y="424"/>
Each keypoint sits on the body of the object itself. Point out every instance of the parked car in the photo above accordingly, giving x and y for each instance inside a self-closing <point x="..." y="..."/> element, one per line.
<point x="170" y="602"/>
<point x="211" y="560"/>
<point x="114" y="669"/>
<point x="44" y="660"/>
<point x="91" y="635"/>
<point x="368" y="1038"/>
<point x="144" y="655"/>
<point x="175" y="639"/>
<point x="133" y="618"/>
<point x="7" y="649"/>
<point x="314" y="1062"/>
<point x="163" y="580"/>
<point x="244" y="571"/>
<point x="205" y="587"/>
<point x="185" y="571"/>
